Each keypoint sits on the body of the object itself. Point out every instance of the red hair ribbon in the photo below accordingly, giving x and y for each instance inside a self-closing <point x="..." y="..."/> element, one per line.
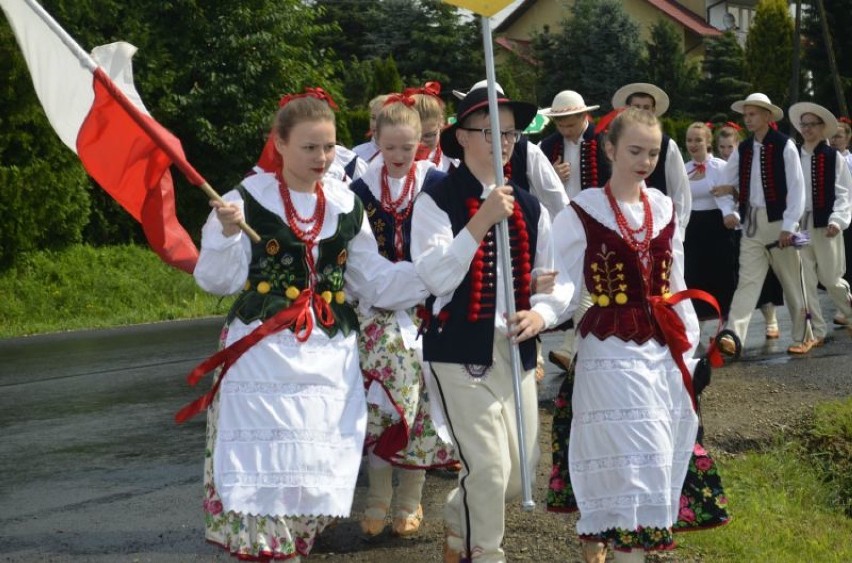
<point x="845" y="119"/>
<point x="603" y="122"/>
<point x="431" y="88"/>
<point x="395" y="98"/>
<point x="708" y="124"/>
<point x="733" y="125"/>
<point x="309" y="92"/>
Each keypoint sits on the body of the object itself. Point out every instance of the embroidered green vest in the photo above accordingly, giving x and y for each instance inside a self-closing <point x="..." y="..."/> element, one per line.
<point x="278" y="271"/>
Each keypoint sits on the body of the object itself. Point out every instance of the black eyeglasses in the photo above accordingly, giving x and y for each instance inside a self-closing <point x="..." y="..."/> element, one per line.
<point x="512" y="135"/>
<point x="809" y="124"/>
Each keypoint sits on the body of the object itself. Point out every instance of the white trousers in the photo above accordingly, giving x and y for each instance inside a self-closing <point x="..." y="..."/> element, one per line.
<point x="755" y="261"/>
<point x="824" y="261"/>
<point x="481" y="416"/>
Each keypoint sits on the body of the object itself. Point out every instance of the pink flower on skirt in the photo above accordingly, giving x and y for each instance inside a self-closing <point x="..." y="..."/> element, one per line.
<point x="557" y="484"/>
<point x="687" y="515"/>
<point x="213" y="507"/>
<point x="703" y="464"/>
<point x="302" y="546"/>
<point x="559" y="402"/>
<point x="684" y="502"/>
<point x="698" y="449"/>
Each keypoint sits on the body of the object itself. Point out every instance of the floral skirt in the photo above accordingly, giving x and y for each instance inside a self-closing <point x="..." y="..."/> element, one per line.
<point x="703" y="503"/>
<point x="399" y="427"/>
<point x="247" y="537"/>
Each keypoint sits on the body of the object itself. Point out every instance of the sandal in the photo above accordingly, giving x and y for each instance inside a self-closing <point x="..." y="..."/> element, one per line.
<point x="452" y="547"/>
<point x="800" y="348"/>
<point x="772" y="332"/>
<point x="407" y="523"/>
<point x="374" y="520"/>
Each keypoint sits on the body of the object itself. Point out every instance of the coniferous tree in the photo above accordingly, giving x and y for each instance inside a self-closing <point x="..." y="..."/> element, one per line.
<point x="839" y="18"/>
<point x="769" y="50"/>
<point x="724" y="80"/>
<point x="595" y="53"/>
<point x="666" y="66"/>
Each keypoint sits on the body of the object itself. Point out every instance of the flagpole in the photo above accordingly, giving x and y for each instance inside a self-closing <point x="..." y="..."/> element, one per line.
<point x="503" y="250"/>
<point x="100" y="74"/>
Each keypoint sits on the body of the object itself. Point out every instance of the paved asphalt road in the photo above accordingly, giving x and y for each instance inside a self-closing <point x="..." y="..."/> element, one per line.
<point x="92" y="466"/>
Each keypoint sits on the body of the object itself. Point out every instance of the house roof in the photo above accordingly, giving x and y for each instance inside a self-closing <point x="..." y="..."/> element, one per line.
<point x="520" y="47"/>
<point x="685" y="17"/>
<point x="671" y="8"/>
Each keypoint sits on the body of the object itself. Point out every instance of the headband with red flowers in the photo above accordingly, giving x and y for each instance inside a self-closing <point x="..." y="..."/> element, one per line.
<point x="733" y="126"/>
<point x="432" y="88"/>
<point x="309" y="92"/>
<point x="845" y="119"/>
<point x="709" y="124"/>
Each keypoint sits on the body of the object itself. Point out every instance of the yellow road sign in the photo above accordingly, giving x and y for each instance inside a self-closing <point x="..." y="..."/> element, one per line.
<point x="485" y="8"/>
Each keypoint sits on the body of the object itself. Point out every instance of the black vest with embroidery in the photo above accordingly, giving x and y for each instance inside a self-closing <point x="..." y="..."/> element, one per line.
<point x="463" y="331"/>
<point x="278" y="264"/>
<point x="516" y="169"/>
<point x="773" y="175"/>
<point x="594" y="165"/>
<point x="382" y="223"/>
<point x="823" y="180"/>
<point x="657" y="179"/>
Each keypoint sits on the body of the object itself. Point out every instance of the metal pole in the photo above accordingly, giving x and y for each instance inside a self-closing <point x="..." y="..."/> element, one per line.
<point x="506" y="258"/>
<point x="832" y="62"/>
<point x="797" y="44"/>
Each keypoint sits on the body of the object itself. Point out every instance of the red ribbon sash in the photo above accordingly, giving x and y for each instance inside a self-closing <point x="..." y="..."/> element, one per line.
<point x="674" y="332"/>
<point x="296" y="317"/>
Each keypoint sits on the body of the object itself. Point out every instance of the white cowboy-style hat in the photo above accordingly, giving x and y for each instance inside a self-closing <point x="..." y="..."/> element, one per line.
<point x="567" y="102"/>
<point x="796" y="112"/>
<point x="661" y="99"/>
<point x="759" y="100"/>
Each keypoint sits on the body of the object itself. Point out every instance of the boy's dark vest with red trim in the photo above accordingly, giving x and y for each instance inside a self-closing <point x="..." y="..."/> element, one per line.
<point x="594" y="165"/>
<point x="619" y="292"/>
<point x="772" y="174"/>
<point x="823" y="180"/>
<point x="657" y="179"/>
<point x="278" y="262"/>
<point x="463" y="331"/>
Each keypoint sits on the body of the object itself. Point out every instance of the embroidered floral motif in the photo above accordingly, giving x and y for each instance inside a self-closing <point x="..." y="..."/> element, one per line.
<point x="272" y="247"/>
<point x="608" y="277"/>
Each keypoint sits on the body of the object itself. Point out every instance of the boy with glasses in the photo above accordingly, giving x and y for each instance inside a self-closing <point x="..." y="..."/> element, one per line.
<point x="466" y="336"/>
<point x="827" y="213"/>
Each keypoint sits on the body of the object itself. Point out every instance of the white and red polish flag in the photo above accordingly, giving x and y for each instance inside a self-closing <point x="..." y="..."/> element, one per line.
<point x="94" y="107"/>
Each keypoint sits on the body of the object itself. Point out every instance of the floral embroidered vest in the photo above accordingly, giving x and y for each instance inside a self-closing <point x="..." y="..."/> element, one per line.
<point x="613" y="276"/>
<point x="463" y="331"/>
<point x="773" y="176"/>
<point x="278" y="270"/>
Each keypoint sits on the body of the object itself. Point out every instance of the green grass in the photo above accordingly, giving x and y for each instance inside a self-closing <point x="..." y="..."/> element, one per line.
<point x="84" y="287"/>
<point x="790" y="503"/>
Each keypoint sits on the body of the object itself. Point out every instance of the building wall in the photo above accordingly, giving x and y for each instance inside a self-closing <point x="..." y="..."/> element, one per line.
<point x="551" y="13"/>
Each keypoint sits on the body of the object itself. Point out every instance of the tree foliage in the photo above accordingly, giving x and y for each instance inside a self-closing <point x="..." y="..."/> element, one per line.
<point x="769" y="50"/>
<point x="427" y="39"/>
<point x="665" y="65"/>
<point x="44" y="200"/>
<point x="724" y="80"/>
<point x="839" y="18"/>
<point x="596" y="52"/>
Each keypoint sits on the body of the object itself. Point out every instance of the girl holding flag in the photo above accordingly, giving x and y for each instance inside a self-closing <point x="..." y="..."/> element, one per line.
<point x="287" y="413"/>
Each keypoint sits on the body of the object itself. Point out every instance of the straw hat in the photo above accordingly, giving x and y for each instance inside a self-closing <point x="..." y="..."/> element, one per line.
<point x="759" y="100"/>
<point x="476" y="99"/>
<point x="661" y="99"/>
<point x="567" y="102"/>
<point x="796" y="112"/>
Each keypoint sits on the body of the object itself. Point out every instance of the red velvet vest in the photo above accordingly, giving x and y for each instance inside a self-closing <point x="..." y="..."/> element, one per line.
<point x="613" y="276"/>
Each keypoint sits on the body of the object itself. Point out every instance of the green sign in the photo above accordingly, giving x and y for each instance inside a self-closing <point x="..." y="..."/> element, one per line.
<point x="537" y="125"/>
